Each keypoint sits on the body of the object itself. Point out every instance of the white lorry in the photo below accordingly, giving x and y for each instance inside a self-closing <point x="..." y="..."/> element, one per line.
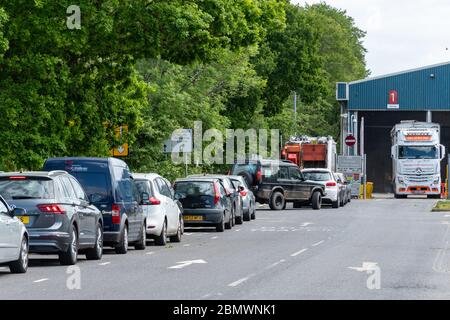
<point x="416" y="156"/>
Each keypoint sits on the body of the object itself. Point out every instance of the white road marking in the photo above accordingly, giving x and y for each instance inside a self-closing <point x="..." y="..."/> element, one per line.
<point x="149" y="253"/>
<point x="41" y="280"/>
<point x="214" y="237"/>
<point x="237" y="230"/>
<point x="365" y="266"/>
<point x="186" y="245"/>
<point x="275" y="264"/>
<point x="183" y="264"/>
<point x="318" y="243"/>
<point x="104" y="263"/>
<point x="298" y="252"/>
<point x="238" y="282"/>
<point x="306" y="224"/>
<point x="187" y="233"/>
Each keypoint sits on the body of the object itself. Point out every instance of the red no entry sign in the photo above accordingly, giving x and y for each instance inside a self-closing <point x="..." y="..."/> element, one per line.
<point x="350" y="140"/>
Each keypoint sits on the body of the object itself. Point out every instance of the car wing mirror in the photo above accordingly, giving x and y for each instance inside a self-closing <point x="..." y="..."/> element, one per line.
<point x="18" y="212"/>
<point x="145" y="198"/>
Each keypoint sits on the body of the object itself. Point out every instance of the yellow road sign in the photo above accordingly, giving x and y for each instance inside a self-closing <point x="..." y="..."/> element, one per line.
<point x="121" y="150"/>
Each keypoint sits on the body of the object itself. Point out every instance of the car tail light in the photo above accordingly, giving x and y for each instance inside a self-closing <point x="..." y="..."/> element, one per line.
<point x="259" y="175"/>
<point x="216" y="194"/>
<point x="331" y="184"/>
<point x="154" y="201"/>
<point x="243" y="193"/>
<point x="115" y="213"/>
<point x="17" y="178"/>
<point x="50" y="208"/>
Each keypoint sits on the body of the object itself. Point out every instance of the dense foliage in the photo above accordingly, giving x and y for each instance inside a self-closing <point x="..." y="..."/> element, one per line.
<point x="163" y="64"/>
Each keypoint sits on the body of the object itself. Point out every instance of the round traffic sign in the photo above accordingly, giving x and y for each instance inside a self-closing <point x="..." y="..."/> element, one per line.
<point x="350" y="140"/>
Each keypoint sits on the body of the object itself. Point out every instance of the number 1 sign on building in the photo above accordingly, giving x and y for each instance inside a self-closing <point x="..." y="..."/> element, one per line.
<point x="393" y="100"/>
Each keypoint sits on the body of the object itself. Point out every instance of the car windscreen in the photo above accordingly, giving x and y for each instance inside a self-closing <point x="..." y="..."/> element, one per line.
<point x="417" y="152"/>
<point x="95" y="185"/>
<point x="317" y="176"/>
<point x="195" y="194"/>
<point x="23" y="187"/>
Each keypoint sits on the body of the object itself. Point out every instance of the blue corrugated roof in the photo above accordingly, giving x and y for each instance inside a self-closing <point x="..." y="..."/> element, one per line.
<point x="426" y="88"/>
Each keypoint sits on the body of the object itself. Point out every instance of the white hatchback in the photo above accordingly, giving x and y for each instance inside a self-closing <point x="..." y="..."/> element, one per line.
<point x="13" y="239"/>
<point x="327" y="178"/>
<point x="164" y="219"/>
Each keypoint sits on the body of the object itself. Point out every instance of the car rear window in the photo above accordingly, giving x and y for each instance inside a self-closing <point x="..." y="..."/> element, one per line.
<point x="193" y="189"/>
<point x="245" y="167"/>
<point x="317" y="176"/>
<point x="95" y="185"/>
<point x="15" y="188"/>
<point x="144" y="186"/>
<point x="194" y="194"/>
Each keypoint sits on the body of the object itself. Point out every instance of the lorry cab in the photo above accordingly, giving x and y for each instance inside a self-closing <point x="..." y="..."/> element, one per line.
<point x="416" y="155"/>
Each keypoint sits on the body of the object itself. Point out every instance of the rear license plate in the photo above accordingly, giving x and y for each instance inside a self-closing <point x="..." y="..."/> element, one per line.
<point x="25" y="220"/>
<point x="418" y="192"/>
<point x="193" y="218"/>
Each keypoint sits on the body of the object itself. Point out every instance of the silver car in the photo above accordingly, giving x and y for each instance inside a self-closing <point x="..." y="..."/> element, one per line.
<point x="248" y="198"/>
<point x="13" y="239"/>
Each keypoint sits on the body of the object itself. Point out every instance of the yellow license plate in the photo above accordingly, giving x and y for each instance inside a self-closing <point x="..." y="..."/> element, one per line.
<point x="193" y="218"/>
<point x="25" y="220"/>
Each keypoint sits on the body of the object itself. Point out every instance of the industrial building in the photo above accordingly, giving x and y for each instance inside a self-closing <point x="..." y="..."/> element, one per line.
<point x="421" y="94"/>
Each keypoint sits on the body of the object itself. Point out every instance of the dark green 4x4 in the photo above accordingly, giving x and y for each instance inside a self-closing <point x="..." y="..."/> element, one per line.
<point x="278" y="182"/>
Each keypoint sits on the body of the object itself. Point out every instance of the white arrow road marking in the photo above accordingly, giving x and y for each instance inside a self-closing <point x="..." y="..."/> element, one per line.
<point x="318" y="243"/>
<point x="366" y="266"/>
<point x="214" y="237"/>
<point x="150" y="253"/>
<point x="183" y="264"/>
<point x="41" y="280"/>
<point x="104" y="263"/>
<point x="298" y="252"/>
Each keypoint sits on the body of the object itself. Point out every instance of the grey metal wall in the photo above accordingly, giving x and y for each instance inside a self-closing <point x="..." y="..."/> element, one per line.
<point x="424" y="89"/>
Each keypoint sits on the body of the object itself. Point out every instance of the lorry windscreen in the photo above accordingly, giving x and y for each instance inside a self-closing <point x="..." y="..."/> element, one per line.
<point x="417" y="152"/>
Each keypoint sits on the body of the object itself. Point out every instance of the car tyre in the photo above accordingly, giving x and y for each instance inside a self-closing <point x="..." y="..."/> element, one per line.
<point x="177" y="237"/>
<point x="96" y="252"/>
<point x="316" y="200"/>
<point x="220" y="227"/>
<point x="229" y="224"/>
<point x="277" y="201"/>
<point x="161" y="240"/>
<point x="70" y="257"/>
<point x="122" y="247"/>
<point x="239" y="220"/>
<point x="21" y="264"/>
<point x="142" y="243"/>
<point x="335" y="204"/>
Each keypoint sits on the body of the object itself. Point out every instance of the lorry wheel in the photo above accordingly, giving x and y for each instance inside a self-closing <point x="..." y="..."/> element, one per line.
<point x="316" y="200"/>
<point x="277" y="201"/>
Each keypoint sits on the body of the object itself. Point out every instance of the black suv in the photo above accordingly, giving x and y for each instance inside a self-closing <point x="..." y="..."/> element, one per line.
<point x="277" y="182"/>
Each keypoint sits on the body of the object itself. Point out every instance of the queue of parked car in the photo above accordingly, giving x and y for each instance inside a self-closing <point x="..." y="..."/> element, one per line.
<point x="81" y="205"/>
